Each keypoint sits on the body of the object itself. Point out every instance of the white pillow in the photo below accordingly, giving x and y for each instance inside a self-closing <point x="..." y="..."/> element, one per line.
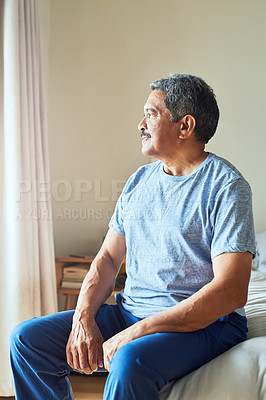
<point x="256" y="305"/>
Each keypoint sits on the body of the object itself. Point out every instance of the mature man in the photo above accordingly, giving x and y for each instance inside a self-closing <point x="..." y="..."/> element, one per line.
<point x="185" y="225"/>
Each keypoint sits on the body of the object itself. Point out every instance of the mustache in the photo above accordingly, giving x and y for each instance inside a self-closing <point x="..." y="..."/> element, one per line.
<point x="143" y="134"/>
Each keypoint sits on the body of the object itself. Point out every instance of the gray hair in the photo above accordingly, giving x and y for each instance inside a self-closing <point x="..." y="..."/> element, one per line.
<point x="188" y="94"/>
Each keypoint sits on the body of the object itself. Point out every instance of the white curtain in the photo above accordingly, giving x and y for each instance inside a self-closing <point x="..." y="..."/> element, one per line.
<point x="27" y="270"/>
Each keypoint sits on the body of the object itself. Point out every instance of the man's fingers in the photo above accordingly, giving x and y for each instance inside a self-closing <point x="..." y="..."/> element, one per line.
<point x="84" y="350"/>
<point x="93" y="357"/>
<point x="83" y="359"/>
<point x="100" y="355"/>
<point x="106" y="363"/>
<point x="75" y="363"/>
<point x="106" y="357"/>
<point x="69" y="357"/>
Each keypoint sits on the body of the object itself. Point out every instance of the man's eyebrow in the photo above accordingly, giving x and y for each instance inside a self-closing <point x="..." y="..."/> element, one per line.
<point x="151" y="109"/>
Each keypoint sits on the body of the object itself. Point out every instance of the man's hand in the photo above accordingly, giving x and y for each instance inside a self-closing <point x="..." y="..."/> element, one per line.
<point x="114" y="343"/>
<point x="84" y="347"/>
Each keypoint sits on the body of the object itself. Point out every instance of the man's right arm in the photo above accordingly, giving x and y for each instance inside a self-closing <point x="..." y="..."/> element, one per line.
<point x="84" y="347"/>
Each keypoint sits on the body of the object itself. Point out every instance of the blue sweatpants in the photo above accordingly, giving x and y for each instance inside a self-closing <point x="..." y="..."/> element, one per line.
<point x="138" y="369"/>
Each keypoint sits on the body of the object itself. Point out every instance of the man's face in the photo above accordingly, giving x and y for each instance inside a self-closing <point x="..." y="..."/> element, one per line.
<point x="160" y="135"/>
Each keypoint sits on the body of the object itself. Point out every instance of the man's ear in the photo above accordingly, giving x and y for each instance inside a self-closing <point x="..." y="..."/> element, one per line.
<point x="187" y="125"/>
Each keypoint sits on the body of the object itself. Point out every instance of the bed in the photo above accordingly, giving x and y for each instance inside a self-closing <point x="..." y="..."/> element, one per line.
<point x="240" y="373"/>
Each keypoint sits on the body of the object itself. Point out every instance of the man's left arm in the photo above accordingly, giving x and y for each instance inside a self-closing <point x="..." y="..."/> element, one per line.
<point x="226" y="292"/>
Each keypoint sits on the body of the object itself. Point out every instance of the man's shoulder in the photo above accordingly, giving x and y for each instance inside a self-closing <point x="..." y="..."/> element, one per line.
<point x="225" y="167"/>
<point x="226" y="174"/>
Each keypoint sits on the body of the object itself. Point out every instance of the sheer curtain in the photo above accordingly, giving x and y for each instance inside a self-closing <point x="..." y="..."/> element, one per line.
<point x="27" y="271"/>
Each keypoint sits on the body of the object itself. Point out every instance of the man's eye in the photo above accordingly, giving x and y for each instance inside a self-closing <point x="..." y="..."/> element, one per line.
<point x="147" y="115"/>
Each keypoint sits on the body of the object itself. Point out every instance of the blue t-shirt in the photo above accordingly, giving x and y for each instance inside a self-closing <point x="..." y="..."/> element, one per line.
<point x="175" y="225"/>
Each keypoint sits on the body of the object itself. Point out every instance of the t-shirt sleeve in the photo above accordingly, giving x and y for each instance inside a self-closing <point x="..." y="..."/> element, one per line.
<point x="117" y="220"/>
<point x="232" y="220"/>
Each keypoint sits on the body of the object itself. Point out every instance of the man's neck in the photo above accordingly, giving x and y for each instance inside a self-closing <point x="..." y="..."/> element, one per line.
<point x="184" y="164"/>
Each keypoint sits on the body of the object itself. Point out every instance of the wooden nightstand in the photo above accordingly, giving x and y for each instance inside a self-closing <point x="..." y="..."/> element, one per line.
<point x="62" y="262"/>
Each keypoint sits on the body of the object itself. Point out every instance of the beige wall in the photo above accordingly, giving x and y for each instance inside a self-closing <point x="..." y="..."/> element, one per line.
<point x="102" y="56"/>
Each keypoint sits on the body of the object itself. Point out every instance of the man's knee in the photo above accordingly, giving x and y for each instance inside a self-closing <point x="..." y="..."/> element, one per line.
<point x="127" y="360"/>
<point x="20" y="335"/>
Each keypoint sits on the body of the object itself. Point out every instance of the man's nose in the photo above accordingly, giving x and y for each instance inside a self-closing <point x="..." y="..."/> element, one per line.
<point x="142" y="125"/>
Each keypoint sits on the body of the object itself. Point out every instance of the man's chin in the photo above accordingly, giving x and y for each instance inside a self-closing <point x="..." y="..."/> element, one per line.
<point x="146" y="151"/>
<point x="150" y="153"/>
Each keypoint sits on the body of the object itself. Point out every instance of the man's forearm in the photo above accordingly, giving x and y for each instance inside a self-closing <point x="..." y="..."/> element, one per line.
<point x="100" y="280"/>
<point x="97" y="286"/>
<point x="196" y="312"/>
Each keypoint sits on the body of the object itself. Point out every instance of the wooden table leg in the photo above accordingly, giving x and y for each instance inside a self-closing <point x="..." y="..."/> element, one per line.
<point x="68" y="302"/>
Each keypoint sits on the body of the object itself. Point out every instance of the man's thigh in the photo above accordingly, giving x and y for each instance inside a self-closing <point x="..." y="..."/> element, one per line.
<point x="173" y="355"/>
<point x="48" y="335"/>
